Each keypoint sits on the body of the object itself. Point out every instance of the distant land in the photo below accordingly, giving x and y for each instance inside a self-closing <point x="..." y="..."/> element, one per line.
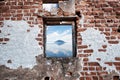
<point x="59" y="42"/>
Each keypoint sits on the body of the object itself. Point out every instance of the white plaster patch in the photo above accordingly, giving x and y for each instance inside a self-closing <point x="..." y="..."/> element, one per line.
<point x="81" y="21"/>
<point x="22" y="47"/>
<point x="96" y="40"/>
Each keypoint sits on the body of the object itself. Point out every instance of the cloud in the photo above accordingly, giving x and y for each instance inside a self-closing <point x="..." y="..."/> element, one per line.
<point x="65" y="36"/>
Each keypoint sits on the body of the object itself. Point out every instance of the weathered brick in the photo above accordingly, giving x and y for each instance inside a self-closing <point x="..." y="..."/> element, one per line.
<point x="98" y="68"/>
<point x="94" y="64"/>
<point x="85" y="68"/>
<point x="82" y="78"/>
<point x="117" y="58"/>
<point x="101" y="29"/>
<point x="104" y="46"/>
<point x="95" y="77"/>
<point x="82" y="46"/>
<point x="91" y="68"/>
<point x="102" y="50"/>
<point x="116" y="77"/>
<point x="102" y="73"/>
<point x="116" y="63"/>
<point x="84" y="55"/>
<point x="118" y="68"/>
<point x="113" y="37"/>
<point x="109" y="63"/>
<point x="100" y="78"/>
<point x="99" y="59"/>
<point x="113" y="42"/>
<point x="108" y="9"/>
<point x="85" y="59"/>
<point x="88" y="51"/>
<point x="93" y="73"/>
<point x="81" y="29"/>
<point x="1" y="39"/>
<point x="6" y="39"/>
<point x="88" y="78"/>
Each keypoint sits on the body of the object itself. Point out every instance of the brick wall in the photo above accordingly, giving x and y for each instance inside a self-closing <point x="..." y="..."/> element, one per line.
<point x="101" y="19"/>
<point x="98" y="39"/>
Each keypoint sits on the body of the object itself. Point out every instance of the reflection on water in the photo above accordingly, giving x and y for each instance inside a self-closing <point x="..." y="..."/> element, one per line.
<point x="55" y="50"/>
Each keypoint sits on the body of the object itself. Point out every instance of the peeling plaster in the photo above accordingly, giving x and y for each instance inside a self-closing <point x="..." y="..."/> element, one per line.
<point x="22" y="47"/>
<point x="81" y="21"/>
<point x="96" y="40"/>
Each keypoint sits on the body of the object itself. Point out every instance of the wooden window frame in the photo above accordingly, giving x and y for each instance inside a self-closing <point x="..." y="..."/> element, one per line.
<point x="61" y="21"/>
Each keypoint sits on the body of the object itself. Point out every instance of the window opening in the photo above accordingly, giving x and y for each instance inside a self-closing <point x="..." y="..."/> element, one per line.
<point x="50" y="7"/>
<point x="59" y="41"/>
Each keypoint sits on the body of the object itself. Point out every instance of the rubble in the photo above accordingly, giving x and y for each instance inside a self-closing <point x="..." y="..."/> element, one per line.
<point x="46" y="69"/>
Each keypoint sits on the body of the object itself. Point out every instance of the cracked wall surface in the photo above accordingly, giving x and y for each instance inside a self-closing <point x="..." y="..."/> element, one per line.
<point x="22" y="46"/>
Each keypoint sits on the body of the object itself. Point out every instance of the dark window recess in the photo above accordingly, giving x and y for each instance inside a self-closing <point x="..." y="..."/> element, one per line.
<point x="51" y="7"/>
<point x="59" y="37"/>
<point x="53" y="1"/>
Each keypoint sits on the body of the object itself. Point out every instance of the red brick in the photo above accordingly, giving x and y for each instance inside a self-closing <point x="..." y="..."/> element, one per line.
<point x="107" y="33"/>
<point x="81" y="29"/>
<point x="88" y="51"/>
<point x="79" y="38"/>
<point x="87" y="73"/>
<point x="100" y="78"/>
<point x="93" y="73"/>
<point x="26" y="7"/>
<point x="40" y="43"/>
<point x="85" y="68"/>
<point x="16" y="7"/>
<point x="116" y="63"/>
<point x="109" y="63"/>
<point x="118" y="68"/>
<point x="88" y="78"/>
<point x="117" y="9"/>
<point x="91" y="68"/>
<point x="102" y="50"/>
<point x="82" y="78"/>
<point x="103" y="73"/>
<point x="82" y="46"/>
<point x="85" y="59"/>
<point x="19" y="18"/>
<point x="84" y="55"/>
<point x="104" y="46"/>
<point x="95" y="77"/>
<point x="98" y="68"/>
<point x="6" y="39"/>
<point x="99" y="59"/>
<point x="94" y="64"/>
<point x="114" y="33"/>
<point x="113" y="42"/>
<point x="82" y="73"/>
<point x="13" y="18"/>
<point x="117" y="58"/>
<point x="108" y="9"/>
<point x="101" y="29"/>
<point x="119" y="37"/>
<point x="1" y="39"/>
<point x="113" y="37"/>
<point x="1" y="18"/>
<point x="114" y="29"/>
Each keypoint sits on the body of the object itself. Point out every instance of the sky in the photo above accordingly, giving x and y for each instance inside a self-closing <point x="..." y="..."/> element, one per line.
<point x="59" y="32"/>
